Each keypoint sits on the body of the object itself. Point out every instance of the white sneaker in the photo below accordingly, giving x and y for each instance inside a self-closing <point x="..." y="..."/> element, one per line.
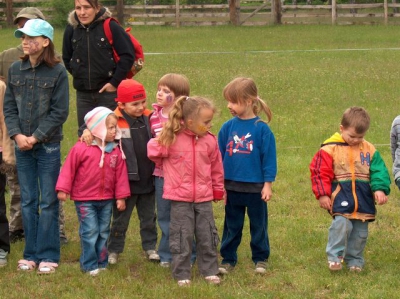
<point x="113" y="258"/>
<point x="94" y="272"/>
<point x="152" y="255"/>
<point x="165" y="264"/>
<point x="184" y="282"/>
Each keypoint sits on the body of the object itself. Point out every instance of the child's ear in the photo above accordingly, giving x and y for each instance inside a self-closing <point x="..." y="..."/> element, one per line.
<point x="121" y="105"/>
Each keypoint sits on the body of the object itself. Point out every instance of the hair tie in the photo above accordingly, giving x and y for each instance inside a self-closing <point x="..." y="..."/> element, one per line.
<point x="258" y="98"/>
<point x="187" y="98"/>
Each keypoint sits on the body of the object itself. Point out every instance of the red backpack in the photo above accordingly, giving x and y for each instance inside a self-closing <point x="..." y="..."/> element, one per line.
<point x="139" y="55"/>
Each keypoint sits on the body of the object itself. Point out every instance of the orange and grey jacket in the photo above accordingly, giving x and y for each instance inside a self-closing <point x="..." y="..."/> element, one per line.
<point x="349" y="175"/>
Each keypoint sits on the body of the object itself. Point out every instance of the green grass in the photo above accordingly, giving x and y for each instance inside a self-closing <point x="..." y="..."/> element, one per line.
<point x="308" y="80"/>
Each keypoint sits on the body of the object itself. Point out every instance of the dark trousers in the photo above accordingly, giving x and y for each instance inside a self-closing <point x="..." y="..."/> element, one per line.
<point x="87" y="101"/>
<point x="4" y="232"/>
<point x="145" y="206"/>
<point x="235" y="209"/>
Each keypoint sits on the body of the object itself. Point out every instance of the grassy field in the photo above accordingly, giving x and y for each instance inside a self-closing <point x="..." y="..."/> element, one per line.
<point x="308" y="75"/>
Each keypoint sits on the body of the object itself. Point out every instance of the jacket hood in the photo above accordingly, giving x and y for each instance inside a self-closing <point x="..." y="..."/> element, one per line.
<point x="334" y="139"/>
<point x="103" y="14"/>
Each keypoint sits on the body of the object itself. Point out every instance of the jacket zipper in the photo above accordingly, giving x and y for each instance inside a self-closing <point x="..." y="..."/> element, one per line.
<point x="88" y="52"/>
<point x="194" y="167"/>
<point x="353" y="182"/>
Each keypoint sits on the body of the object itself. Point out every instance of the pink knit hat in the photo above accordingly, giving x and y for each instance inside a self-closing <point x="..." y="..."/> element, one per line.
<point x="96" y="123"/>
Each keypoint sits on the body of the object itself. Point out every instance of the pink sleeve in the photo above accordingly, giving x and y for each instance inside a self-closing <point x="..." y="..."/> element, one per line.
<point x="217" y="173"/>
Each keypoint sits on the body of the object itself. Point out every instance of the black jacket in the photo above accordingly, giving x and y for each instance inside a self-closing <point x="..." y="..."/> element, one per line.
<point x="87" y="54"/>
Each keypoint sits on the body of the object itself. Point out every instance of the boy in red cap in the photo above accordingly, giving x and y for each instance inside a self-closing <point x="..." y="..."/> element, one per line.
<point x="134" y="124"/>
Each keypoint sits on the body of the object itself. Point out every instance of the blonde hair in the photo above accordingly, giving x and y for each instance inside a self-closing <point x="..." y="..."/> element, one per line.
<point x="241" y="89"/>
<point x="177" y="83"/>
<point x="184" y="108"/>
<point x="357" y="118"/>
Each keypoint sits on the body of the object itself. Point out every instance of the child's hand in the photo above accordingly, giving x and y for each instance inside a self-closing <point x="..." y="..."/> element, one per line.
<point x="121" y="204"/>
<point x="87" y="137"/>
<point x="325" y="202"/>
<point x="266" y="192"/>
<point x="62" y="195"/>
<point x="380" y="197"/>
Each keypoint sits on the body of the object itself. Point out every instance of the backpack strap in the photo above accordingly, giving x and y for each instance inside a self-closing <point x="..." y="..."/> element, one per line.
<point x="108" y="33"/>
<point x="107" y="29"/>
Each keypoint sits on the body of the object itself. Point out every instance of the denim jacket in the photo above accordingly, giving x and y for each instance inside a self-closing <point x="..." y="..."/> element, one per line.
<point x="36" y="101"/>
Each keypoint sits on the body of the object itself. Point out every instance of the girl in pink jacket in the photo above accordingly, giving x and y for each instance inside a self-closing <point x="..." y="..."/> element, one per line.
<point x="193" y="178"/>
<point x="93" y="176"/>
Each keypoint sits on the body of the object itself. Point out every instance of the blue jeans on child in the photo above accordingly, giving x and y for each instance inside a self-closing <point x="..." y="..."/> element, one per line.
<point x="94" y="228"/>
<point x="164" y="219"/>
<point x="235" y="209"/>
<point x="38" y="171"/>
<point x="347" y="239"/>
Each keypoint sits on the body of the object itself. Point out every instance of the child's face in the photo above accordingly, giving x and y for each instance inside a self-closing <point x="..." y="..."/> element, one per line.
<point x="34" y="45"/>
<point x="201" y="124"/>
<point x="111" y="124"/>
<point x="165" y="97"/>
<point x="133" y="109"/>
<point x="241" y="110"/>
<point x="351" y="136"/>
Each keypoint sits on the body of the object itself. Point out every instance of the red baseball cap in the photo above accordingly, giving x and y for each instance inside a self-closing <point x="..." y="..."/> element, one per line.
<point x="130" y="90"/>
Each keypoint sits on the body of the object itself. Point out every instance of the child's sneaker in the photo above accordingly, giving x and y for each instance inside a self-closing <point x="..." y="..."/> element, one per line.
<point x="152" y="255"/>
<point x="355" y="269"/>
<point x="261" y="267"/>
<point x="3" y="262"/>
<point x="225" y="268"/>
<point x="94" y="272"/>
<point x="335" y="266"/>
<point x="213" y="279"/>
<point x="184" y="282"/>
<point x="165" y="264"/>
<point x="113" y="258"/>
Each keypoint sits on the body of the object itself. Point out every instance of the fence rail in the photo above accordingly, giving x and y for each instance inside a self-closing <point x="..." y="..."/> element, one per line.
<point x="236" y="12"/>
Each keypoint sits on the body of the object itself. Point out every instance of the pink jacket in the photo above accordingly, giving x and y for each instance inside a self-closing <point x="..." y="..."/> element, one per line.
<point x="83" y="179"/>
<point x="193" y="170"/>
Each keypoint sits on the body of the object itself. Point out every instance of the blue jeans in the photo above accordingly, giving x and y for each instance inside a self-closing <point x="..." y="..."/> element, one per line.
<point x="235" y="210"/>
<point x="94" y="228"/>
<point x="347" y="239"/>
<point x="87" y="101"/>
<point x="38" y="171"/>
<point x="164" y="219"/>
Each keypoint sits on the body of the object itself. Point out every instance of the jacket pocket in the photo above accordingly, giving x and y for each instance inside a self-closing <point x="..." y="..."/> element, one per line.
<point x="18" y="88"/>
<point x="45" y="88"/>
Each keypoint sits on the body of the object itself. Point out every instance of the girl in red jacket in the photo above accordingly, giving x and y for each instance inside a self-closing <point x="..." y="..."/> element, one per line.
<point x="193" y="177"/>
<point x="93" y="176"/>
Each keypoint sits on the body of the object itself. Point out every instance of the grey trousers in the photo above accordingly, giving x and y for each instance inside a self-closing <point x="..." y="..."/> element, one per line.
<point x="189" y="220"/>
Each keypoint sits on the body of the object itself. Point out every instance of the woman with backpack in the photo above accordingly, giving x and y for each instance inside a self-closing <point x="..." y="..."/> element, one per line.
<point x="88" y="56"/>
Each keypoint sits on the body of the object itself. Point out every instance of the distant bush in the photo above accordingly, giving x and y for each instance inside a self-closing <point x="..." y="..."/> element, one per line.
<point x="60" y="12"/>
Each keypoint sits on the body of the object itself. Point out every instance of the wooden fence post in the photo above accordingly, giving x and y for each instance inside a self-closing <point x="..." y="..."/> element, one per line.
<point x="276" y="10"/>
<point x="385" y="8"/>
<point x="177" y="14"/>
<point x="120" y="11"/>
<point x="334" y="12"/>
<point x="9" y="13"/>
<point x="234" y="12"/>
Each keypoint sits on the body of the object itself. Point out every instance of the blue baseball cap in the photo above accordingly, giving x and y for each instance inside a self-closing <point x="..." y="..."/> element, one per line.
<point x="36" y="27"/>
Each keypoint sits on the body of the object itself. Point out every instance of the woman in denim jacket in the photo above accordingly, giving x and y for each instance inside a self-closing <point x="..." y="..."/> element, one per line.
<point x="35" y="108"/>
